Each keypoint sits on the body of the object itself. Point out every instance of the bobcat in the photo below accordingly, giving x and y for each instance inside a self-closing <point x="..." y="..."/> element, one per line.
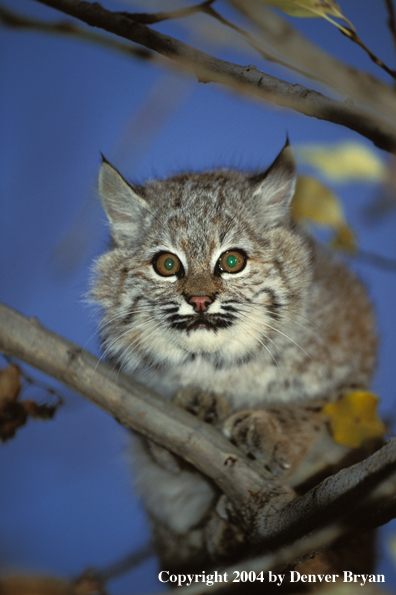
<point x="213" y="297"/>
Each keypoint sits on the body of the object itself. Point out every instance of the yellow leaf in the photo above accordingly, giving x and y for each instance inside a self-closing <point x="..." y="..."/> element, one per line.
<point x="314" y="202"/>
<point x="354" y="420"/>
<point x="312" y="9"/>
<point x="344" y="240"/>
<point x="344" y="161"/>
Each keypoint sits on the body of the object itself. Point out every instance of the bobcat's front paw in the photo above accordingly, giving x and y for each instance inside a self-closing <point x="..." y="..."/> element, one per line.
<point x="207" y="406"/>
<point x="260" y="437"/>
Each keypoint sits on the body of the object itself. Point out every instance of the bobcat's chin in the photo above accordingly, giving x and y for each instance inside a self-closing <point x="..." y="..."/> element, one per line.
<point x="201" y="338"/>
<point x="225" y="344"/>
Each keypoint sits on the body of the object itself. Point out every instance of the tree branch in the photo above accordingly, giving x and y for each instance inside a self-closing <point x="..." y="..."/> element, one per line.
<point x="303" y="55"/>
<point x="352" y="501"/>
<point x="391" y="20"/>
<point x="12" y="19"/>
<point x="158" y="17"/>
<point x="135" y="406"/>
<point x="244" y="79"/>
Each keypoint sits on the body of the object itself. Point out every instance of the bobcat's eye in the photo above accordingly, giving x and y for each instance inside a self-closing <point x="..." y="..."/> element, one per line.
<point x="232" y="261"/>
<point x="166" y="264"/>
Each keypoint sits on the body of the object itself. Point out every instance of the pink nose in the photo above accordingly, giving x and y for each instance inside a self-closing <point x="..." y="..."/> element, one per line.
<point x="200" y="302"/>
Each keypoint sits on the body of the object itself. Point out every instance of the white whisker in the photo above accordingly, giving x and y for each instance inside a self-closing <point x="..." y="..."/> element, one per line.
<point x="261" y="343"/>
<point x="129" y="330"/>
<point x="136" y="343"/>
<point x="305" y="328"/>
<point x="289" y="338"/>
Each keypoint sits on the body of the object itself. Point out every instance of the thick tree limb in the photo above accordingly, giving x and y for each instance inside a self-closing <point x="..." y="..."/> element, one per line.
<point x="140" y="409"/>
<point x="360" y="497"/>
<point x="352" y="501"/>
<point x="244" y="79"/>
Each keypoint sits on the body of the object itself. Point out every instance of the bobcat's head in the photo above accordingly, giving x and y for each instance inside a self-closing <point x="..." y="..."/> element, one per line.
<point x="205" y="264"/>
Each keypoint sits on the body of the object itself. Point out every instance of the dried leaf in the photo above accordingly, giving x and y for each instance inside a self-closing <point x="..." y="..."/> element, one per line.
<point x="312" y="9"/>
<point x="10" y="384"/>
<point x="15" y="413"/>
<point x="344" y="240"/>
<point x="354" y="420"/>
<point x="344" y="162"/>
<point x="11" y="415"/>
<point x="314" y="202"/>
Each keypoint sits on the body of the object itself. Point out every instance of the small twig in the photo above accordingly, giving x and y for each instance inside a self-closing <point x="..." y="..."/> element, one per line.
<point x="69" y="29"/>
<point x="152" y="18"/>
<point x="353" y="36"/>
<point x="249" y="39"/>
<point x="126" y="564"/>
<point x="376" y="260"/>
<point x="391" y="20"/>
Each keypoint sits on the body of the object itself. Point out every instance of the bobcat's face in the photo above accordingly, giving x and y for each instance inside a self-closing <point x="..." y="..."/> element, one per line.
<point x="196" y="274"/>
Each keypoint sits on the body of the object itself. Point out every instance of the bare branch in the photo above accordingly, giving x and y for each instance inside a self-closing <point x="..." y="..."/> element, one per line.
<point x="391" y="19"/>
<point x="158" y="17"/>
<point x="360" y="497"/>
<point x="376" y="260"/>
<point x="126" y="564"/>
<point x="244" y="79"/>
<point x="353" y="36"/>
<point x="14" y="20"/>
<point x="298" y="51"/>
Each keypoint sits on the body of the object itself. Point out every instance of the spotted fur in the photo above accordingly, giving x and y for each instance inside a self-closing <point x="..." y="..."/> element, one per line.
<point x="293" y="327"/>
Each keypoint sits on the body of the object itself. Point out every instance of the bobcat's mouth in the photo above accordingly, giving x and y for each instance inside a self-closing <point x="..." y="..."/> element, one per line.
<point x="202" y="322"/>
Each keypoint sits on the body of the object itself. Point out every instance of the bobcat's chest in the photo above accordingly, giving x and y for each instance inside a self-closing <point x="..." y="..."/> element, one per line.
<point x="246" y="385"/>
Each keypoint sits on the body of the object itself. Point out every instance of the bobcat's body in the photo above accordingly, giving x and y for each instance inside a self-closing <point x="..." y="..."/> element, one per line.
<point x="254" y="312"/>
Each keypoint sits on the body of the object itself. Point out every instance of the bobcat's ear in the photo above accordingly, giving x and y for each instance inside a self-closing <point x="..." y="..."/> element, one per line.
<point x="274" y="189"/>
<point x="127" y="212"/>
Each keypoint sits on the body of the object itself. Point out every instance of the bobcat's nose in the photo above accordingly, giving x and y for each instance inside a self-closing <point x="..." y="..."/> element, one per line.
<point x="200" y="302"/>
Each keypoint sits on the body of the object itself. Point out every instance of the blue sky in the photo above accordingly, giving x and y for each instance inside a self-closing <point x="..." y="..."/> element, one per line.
<point x="66" y="499"/>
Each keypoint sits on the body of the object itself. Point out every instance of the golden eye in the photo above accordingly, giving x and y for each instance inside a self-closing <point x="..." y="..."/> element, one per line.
<point x="232" y="261"/>
<point x="166" y="264"/>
